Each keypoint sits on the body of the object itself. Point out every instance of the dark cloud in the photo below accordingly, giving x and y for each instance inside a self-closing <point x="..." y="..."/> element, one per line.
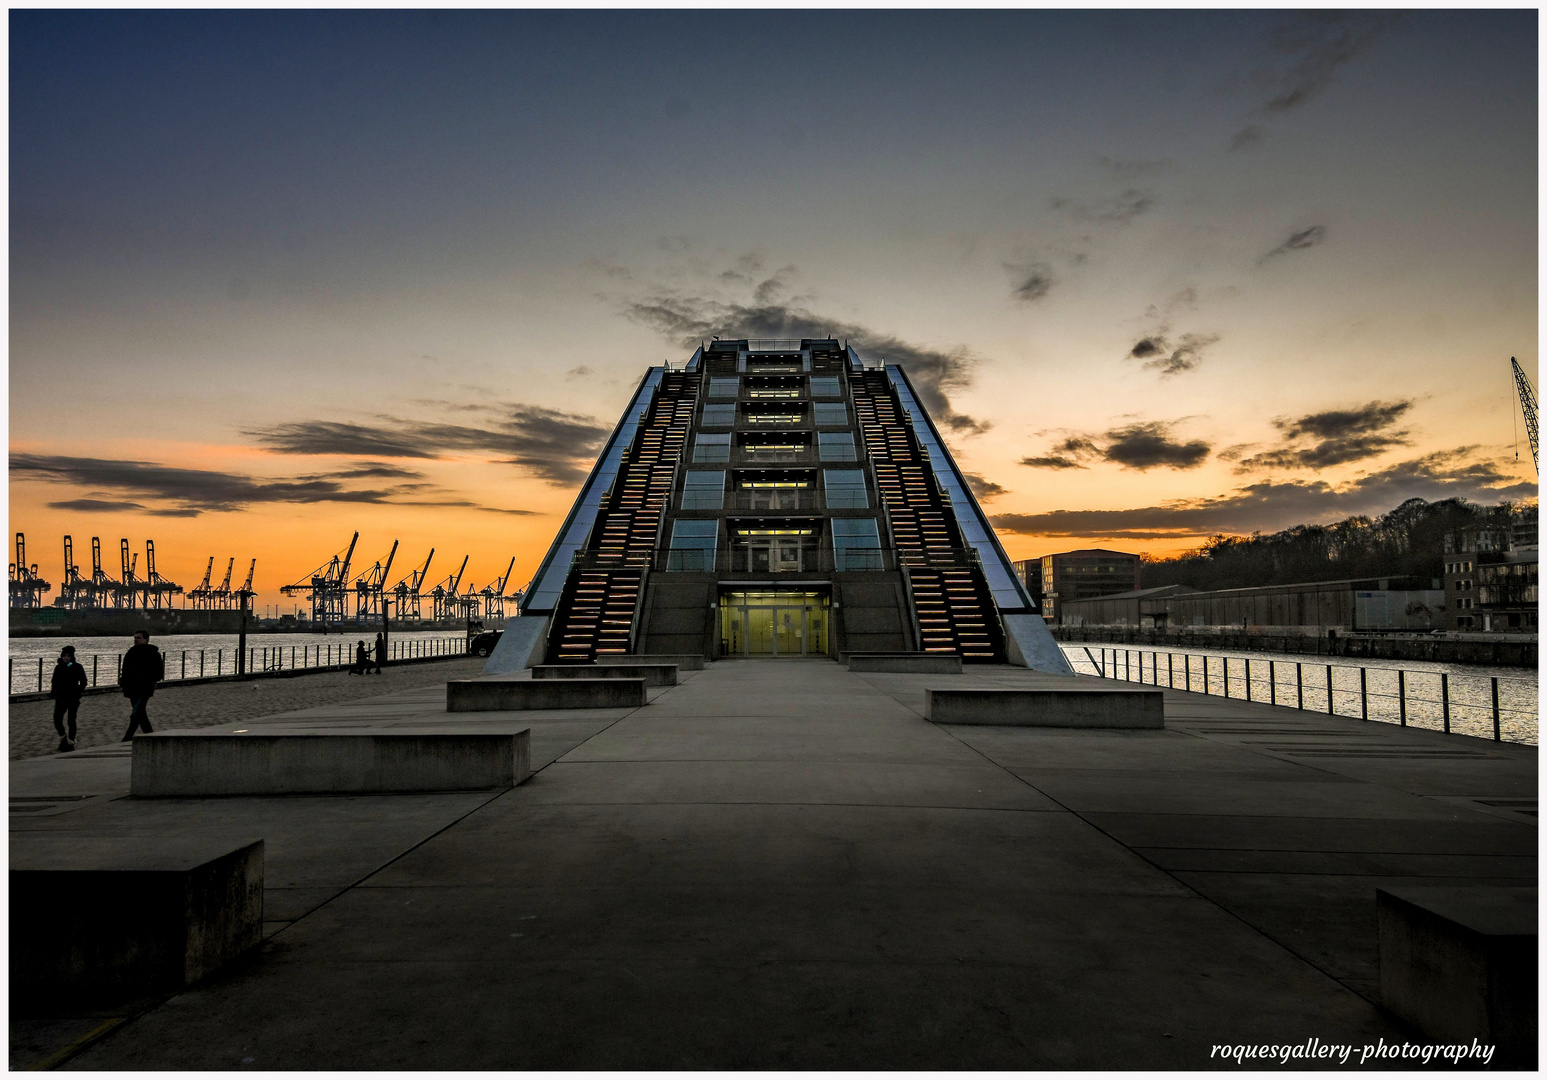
<point x="576" y="373"/>
<point x="1335" y="437"/>
<point x="1269" y="506"/>
<point x="90" y="506"/>
<point x="936" y="373"/>
<point x="189" y="491"/>
<point x="1250" y="135"/>
<point x="984" y="488"/>
<point x="1141" y="446"/>
<point x="1149" y="346"/>
<point x="1033" y="282"/>
<point x="375" y="470"/>
<point x="1149" y="445"/>
<point x="1298" y="241"/>
<point x="1185" y="356"/>
<point x="1122" y="207"/>
<point x="556" y="446"/>
<point x="1306" y="52"/>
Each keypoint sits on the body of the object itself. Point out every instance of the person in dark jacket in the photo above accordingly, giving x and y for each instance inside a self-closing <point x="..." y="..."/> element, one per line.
<point x="142" y="670"/>
<point x="65" y="688"/>
<point x="362" y="661"/>
<point x="381" y="652"/>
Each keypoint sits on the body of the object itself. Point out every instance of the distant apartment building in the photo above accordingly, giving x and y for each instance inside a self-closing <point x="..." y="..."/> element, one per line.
<point x="1078" y="575"/>
<point x="1491" y="579"/>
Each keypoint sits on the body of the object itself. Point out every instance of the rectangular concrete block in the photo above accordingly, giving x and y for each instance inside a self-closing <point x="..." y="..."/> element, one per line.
<point x="97" y="919"/>
<point x="184" y="763"/>
<point x="684" y="661"/>
<point x="907" y="663"/>
<point x="652" y="674"/>
<point x="1063" y="707"/>
<point x="510" y="695"/>
<point x="1459" y="963"/>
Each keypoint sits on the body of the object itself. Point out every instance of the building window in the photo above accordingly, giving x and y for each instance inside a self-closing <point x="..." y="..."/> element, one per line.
<point x="692" y="545"/>
<point x="703" y="489"/>
<point x="845" y="489"/>
<point x="836" y="446"/>
<point x="719" y="415"/>
<point x="831" y="414"/>
<point x="710" y="448"/>
<point x="856" y="544"/>
<point x="825" y="386"/>
<point x="724" y="388"/>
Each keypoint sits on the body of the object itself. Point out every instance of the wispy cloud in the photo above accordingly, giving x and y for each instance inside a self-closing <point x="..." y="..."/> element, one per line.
<point x="1031" y="281"/>
<point x="1141" y="446"/>
<point x="1298" y="240"/>
<point x="1120" y="208"/>
<point x="1272" y="505"/>
<point x="984" y="488"/>
<point x="1168" y="357"/>
<point x="555" y="446"/>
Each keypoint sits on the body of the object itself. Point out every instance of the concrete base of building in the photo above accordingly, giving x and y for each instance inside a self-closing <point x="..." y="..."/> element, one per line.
<point x="652" y="674"/>
<point x="1074" y="707"/>
<point x="1029" y="643"/>
<point x="1460" y="964"/>
<point x="99" y="918"/>
<point x="511" y="695"/>
<point x="520" y="646"/>
<point x="907" y="663"/>
<point x="191" y="763"/>
<point x="684" y="661"/>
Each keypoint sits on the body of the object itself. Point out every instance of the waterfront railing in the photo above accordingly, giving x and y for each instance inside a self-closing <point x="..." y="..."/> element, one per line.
<point x="1438" y="700"/>
<point x="191" y="665"/>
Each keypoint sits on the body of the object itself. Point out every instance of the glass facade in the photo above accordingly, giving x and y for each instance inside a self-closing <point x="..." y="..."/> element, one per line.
<point x="837" y="445"/>
<point x="773" y="624"/>
<point x="711" y="448"/>
<point x="724" y="388"/>
<point x="831" y="414"/>
<point x="856" y="544"/>
<point x="703" y="489"/>
<point x="693" y="545"/>
<point x="845" y="489"/>
<point x="825" y="386"/>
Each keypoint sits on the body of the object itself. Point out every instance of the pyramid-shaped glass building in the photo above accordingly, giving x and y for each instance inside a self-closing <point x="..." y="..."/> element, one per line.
<point x="776" y="499"/>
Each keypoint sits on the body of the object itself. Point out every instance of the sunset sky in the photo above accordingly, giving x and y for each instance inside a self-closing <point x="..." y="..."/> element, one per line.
<point x="280" y="276"/>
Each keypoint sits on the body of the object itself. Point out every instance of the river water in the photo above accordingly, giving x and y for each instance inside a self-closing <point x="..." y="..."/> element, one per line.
<point x="185" y="653"/>
<point x="1386" y="689"/>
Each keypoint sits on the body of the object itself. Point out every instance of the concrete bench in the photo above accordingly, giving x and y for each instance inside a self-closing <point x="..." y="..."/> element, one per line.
<point x="684" y="661"/>
<point x="919" y="663"/>
<point x="652" y="674"/>
<point x="182" y="763"/>
<point x="1071" y="707"/>
<point x="1459" y="963"/>
<point x="99" y="919"/>
<point x="514" y="694"/>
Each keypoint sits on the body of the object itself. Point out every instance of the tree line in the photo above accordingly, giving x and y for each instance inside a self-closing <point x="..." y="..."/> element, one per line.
<point x="1406" y="542"/>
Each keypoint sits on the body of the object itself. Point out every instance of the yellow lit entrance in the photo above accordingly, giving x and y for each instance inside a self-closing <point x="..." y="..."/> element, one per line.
<point x="773" y="624"/>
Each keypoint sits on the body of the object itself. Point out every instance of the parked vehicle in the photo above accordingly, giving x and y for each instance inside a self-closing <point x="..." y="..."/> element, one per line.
<point x="484" y="643"/>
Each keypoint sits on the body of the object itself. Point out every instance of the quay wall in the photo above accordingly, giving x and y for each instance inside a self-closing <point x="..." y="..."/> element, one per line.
<point x="1515" y="651"/>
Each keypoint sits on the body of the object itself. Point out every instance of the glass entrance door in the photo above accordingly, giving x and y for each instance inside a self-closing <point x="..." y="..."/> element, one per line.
<point x="773" y="624"/>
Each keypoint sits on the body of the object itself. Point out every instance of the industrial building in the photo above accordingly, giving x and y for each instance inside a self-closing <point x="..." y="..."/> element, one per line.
<point x="776" y="499"/>
<point x="1491" y="579"/>
<point x="1369" y="604"/>
<point x="1070" y="576"/>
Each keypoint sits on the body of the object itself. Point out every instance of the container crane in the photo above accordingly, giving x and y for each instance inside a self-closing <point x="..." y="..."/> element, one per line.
<point x="245" y="593"/>
<point x="327" y="586"/>
<point x="200" y="593"/>
<point x="445" y="595"/>
<point x="76" y="592"/>
<point x="104" y="590"/>
<point x="27" y="588"/>
<point x="369" y="587"/>
<point x="128" y="585"/>
<point x="158" y="590"/>
<point x="494" y="595"/>
<point x="220" y="596"/>
<point x="411" y="589"/>
<point x="1528" y="407"/>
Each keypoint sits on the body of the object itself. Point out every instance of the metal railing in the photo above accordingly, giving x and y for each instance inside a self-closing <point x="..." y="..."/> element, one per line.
<point x="192" y="664"/>
<point x="774" y="499"/>
<point x="1435" y="700"/>
<point x="746" y="456"/>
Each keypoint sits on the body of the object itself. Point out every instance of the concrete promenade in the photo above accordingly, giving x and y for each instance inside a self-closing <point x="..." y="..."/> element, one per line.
<point x="782" y="865"/>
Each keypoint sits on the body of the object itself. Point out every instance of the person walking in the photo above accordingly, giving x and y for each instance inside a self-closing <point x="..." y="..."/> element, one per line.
<point x="143" y="668"/>
<point x="65" y="688"/>
<point x="381" y="651"/>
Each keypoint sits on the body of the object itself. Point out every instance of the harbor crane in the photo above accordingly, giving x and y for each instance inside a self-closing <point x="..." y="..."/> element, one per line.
<point x="104" y="590"/>
<point x="27" y="588"/>
<point x="494" y="595"/>
<point x="327" y="586"/>
<point x="245" y="593"/>
<point x="1528" y="407"/>
<point x="128" y="586"/>
<point x="220" y="596"/>
<point x="445" y="595"/>
<point x="410" y="589"/>
<point x="199" y="595"/>
<point x="76" y="591"/>
<point x="369" y="587"/>
<point x="158" y="590"/>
